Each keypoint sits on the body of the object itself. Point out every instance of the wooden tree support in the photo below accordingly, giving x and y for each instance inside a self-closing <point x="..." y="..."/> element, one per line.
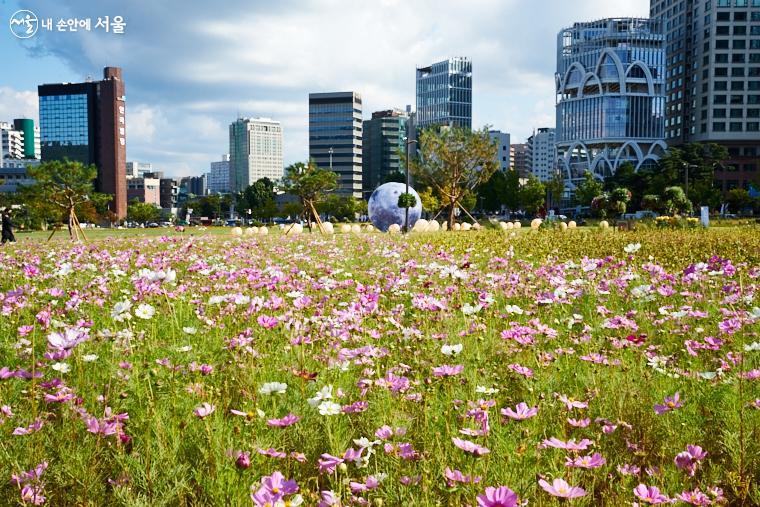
<point x="312" y="214"/>
<point x="74" y="227"/>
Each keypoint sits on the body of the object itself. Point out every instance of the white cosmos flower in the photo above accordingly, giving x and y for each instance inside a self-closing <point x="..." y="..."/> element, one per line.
<point x="294" y="294"/>
<point x="64" y="269"/>
<point x="329" y="408"/>
<point x="323" y="394"/>
<point x="189" y="330"/>
<point x="120" y="311"/>
<point x="632" y="248"/>
<point x="145" y="311"/>
<point x="273" y="388"/>
<point x="452" y="350"/>
<point x="486" y="390"/>
<point x="89" y="358"/>
<point x="752" y="347"/>
<point x="514" y="309"/>
<point x="186" y="348"/>
<point x="756" y="313"/>
<point x="61" y="367"/>
<point x="468" y="309"/>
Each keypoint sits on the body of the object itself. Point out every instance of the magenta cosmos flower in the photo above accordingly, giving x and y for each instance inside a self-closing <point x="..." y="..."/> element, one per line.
<point x="650" y="494"/>
<point x="570" y="445"/>
<point x="447" y="370"/>
<point x="594" y="461"/>
<point x="288" y="420"/>
<point x="670" y="403"/>
<point x="520" y="413"/>
<point x="498" y="497"/>
<point x="470" y="447"/>
<point x="560" y="488"/>
<point x="266" y="321"/>
<point x="205" y="410"/>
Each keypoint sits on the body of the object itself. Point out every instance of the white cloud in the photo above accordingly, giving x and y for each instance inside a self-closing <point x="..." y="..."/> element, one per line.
<point x="191" y="69"/>
<point x="18" y="104"/>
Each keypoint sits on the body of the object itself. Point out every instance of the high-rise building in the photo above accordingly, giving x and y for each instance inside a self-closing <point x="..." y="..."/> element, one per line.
<point x="712" y="58"/>
<point x="138" y="169"/>
<point x="218" y="180"/>
<point x="335" y="137"/>
<point x="86" y="122"/>
<point x="382" y="140"/>
<point x="19" y="140"/>
<point x="255" y="151"/>
<point x="444" y="93"/>
<point x="610" y="96"/>
<point x="520" y="157"/>
<point x="193" y="185"/>
<point x="503" y="149"/>
<point x="541" y="154"/>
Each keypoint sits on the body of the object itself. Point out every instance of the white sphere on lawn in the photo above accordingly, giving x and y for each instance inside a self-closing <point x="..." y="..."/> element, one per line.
<point x="456" y="227"/>
<point x="562" y="226"/>
<point x="466" y="226"/>
<point x="263" y="230"/>
<point x="517" y="224"/>
<point x="394" y="229"/>
<point x="604" y="224"/>
<point x="356" y="228"/>
<point x="328" y="228"/>
<point x="571" y="224"/>
<point x="345" y="228"/>
<point x="237" y="231"/>
<point x="535" y="223"/>
<point x="420" y="225"/>
<point x="433" y="226"/>
<point x="369" y="228"/>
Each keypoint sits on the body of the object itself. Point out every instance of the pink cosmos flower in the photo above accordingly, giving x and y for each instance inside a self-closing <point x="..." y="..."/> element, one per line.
<point x="328" y="463"/>
<point x="670" y="403"/>
<point x="454" y="476"/>
<point x="689" y="459"/>
<point x="520" y="413"/>
<point x="521" y="370"/>
<point x="570" y="445"/>
<point x="288" y="420"/>
<point x="579" y="423"/>
<point x="470" y="447"/>
<point x="695" y="497"/>
<point x="594" y="461"/>
<point x="498" y="497"/>
<point x="328" y="499"/>
<point x="447" y="370"/>
<point x="571" y="403"/>
<point x="561" y="489"/>
<point x="205" y="410"/>
<point x="650" y="494"/>
<point x="243" y="460"/>
<point x="266" y="321"/>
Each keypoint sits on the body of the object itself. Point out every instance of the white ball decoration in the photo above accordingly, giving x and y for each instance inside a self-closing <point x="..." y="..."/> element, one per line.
<point x="456" y="227"/>
<point x="535" y="223"/>
<point x="517" y="225"/>
<point x="604" y="224"/>
<point x="237" y="231"/>
<point x="571" y="224"/>
<point x="466" y="226"/>
<point x="345" y="228"/>
<point x="562" y="226"/>
<point x="263" y="230"/>
<point x="394" y="229"/>
<point x="433" y="226"/>
<point x="420" y="225"/>
<point x="328" y="228"/>
<point x="356" y="228"/>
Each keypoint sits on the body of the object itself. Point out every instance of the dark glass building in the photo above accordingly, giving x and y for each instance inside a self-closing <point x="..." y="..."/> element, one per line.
<point x="335" y="137"/>
<point x="383" y="139"/>
<point x="86" y="122"/>
<point x="444" y="94"/>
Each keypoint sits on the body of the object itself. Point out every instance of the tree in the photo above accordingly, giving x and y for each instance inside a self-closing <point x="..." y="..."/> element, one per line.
<point x="532" y="195"/>
<point x="259" y="198"/>
<point x="395" y="177"/>
<point x="651" y="202"/>
<point x="674" y="201"/>
<point x="65" y="184"/>
<point x="512" y="190"/>
<point x="492" y="193"/>
<point x="588" y="189"/>
<point x="738" y="199"/>
<point x="429" y="200"/>
<point x="310" y="183"/>
<point x="692" y="165"/>
<point x="341" y="207"/>
<point x="142" y="212"/>
<point x="627" y="177"/>
<point x="555" y="189"/>
<point x="453" y="161"/>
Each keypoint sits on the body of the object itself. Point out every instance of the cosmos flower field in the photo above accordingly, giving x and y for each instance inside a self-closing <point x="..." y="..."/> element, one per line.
<point x="482" y="369"/>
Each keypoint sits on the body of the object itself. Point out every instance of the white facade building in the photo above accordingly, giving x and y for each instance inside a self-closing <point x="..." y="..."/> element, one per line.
<point x="218" y="179"/>
<point x="138" y="169"/>
<point x="542" y="154"/>
<point x="503" y="154"/>
<point x="255" y="151"/>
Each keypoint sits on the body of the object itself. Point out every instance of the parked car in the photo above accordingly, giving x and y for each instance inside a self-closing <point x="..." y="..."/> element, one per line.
<point x="153" y="225"/>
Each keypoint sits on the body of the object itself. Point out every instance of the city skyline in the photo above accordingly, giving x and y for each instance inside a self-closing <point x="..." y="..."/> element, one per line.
<point x="192" y="71"/>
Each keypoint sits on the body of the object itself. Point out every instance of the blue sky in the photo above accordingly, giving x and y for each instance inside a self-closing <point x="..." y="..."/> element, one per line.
<point x="190" y="68"/>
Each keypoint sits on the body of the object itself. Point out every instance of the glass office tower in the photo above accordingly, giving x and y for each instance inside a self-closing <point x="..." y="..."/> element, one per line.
<point x="610" y="96"/>
<point x="444" y="93"/>
<point x="86" y="122"/>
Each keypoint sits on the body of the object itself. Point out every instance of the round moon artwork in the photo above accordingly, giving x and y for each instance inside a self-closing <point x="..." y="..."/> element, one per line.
<point x="384" y="210"/>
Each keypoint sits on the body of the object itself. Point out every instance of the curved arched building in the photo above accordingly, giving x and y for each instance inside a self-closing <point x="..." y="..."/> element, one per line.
<point x="610" y="96"/>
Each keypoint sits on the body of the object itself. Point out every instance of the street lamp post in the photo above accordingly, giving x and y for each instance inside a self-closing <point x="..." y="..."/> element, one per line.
<point x="688" y="166"/>
<point x="330" y="151"/>
<point x="407" y="142"/>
